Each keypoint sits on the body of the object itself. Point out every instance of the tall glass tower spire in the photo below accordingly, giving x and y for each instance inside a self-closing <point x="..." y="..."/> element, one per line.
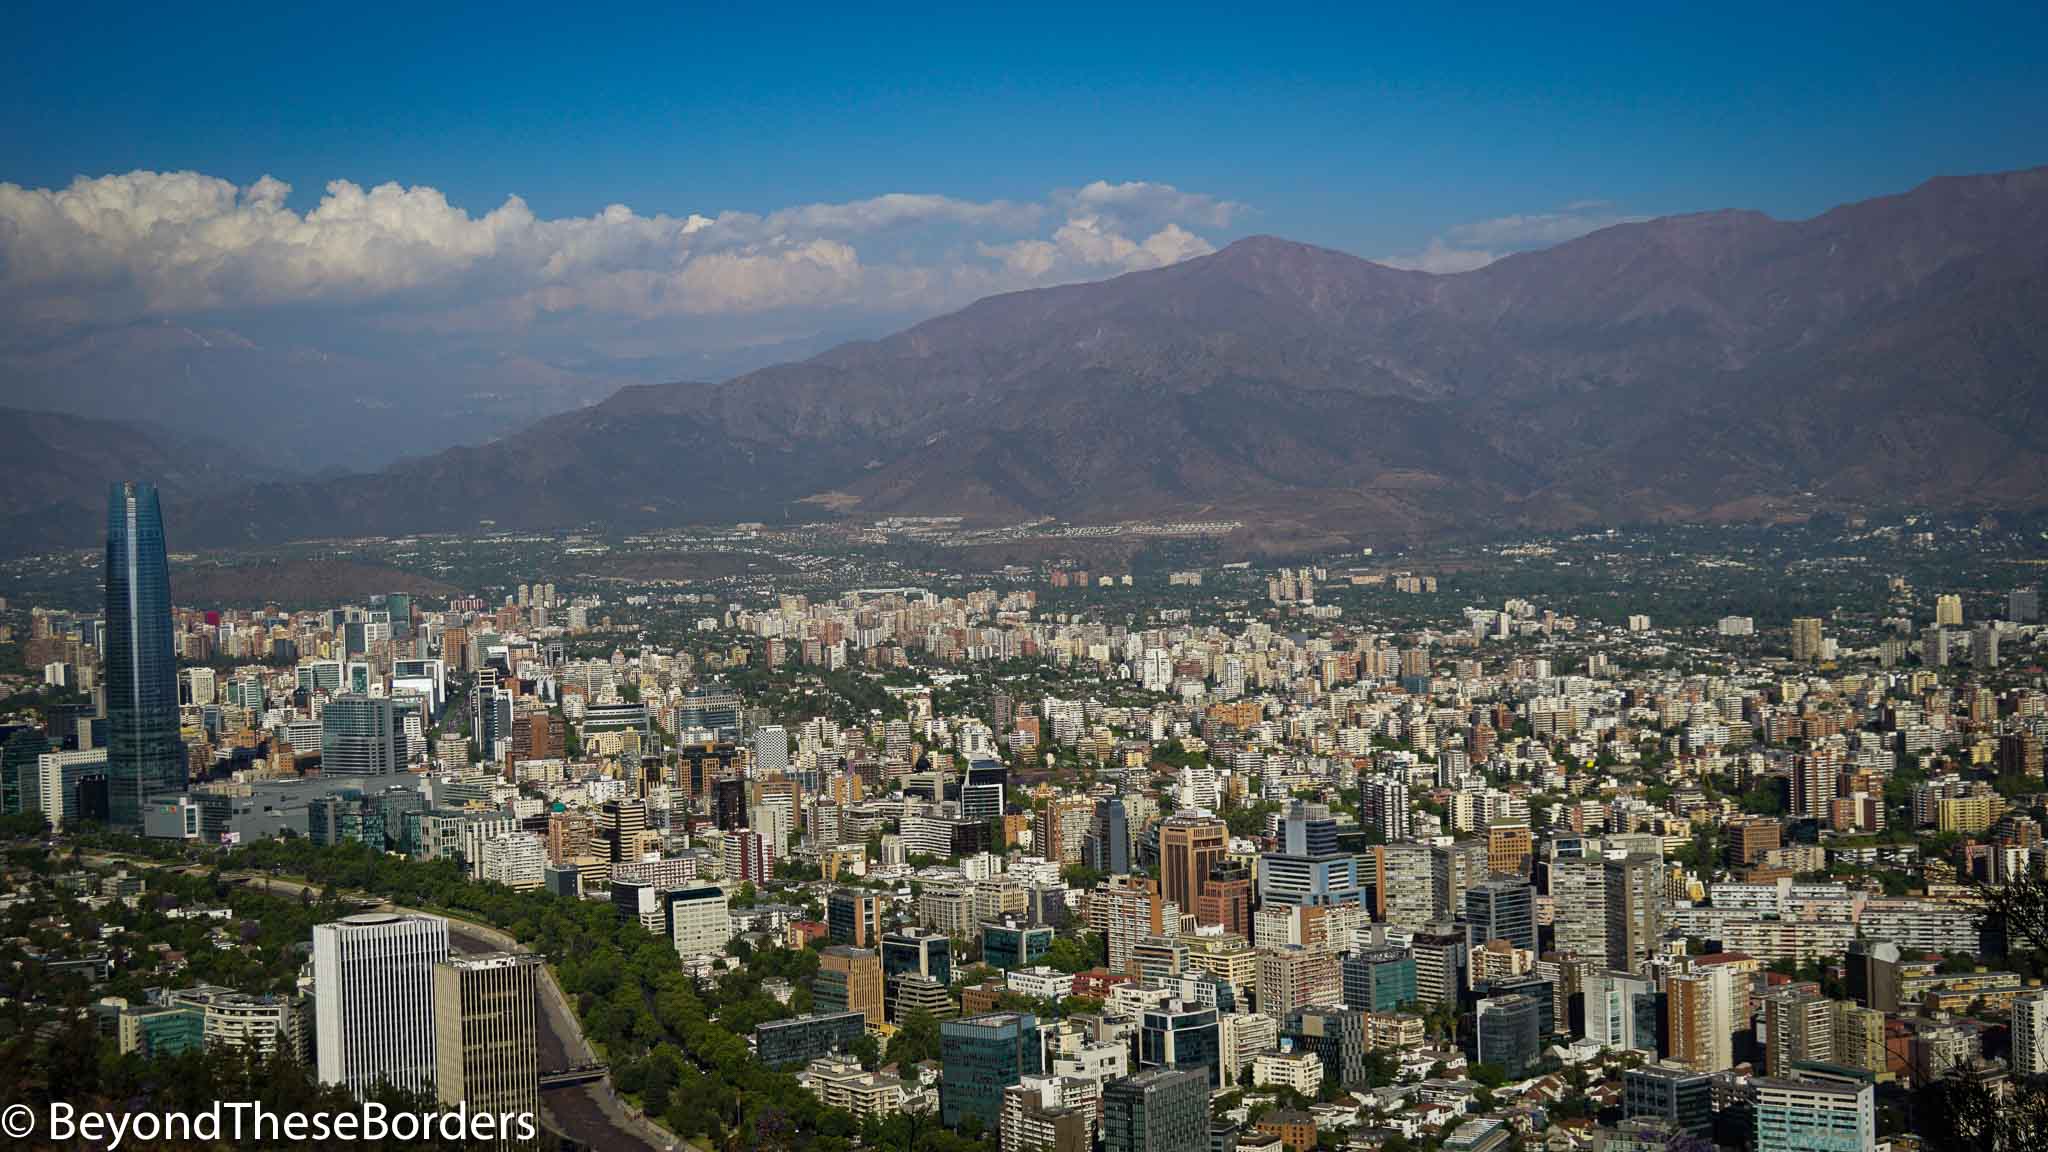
<point x="145" y="757"/>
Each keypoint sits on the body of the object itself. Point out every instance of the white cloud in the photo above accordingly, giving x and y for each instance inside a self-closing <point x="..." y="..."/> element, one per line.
<point x="1481" y="242"/>
<point x="144" y="244"/>
<point x="1090" y="245"/>
<point x="1441" y="258"/>
<point x="1141" y="202"/>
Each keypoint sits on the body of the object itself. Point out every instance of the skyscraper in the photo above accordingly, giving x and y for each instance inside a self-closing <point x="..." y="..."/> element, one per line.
<point x="373" y="999"/>
<point x="487" y="1032"/>
<point x="1191" y="844"/>
<point x="1157" y="1110"/>
<point x="1806" y="638"/>
<point x="1634" y="892"/>
<point x="2030" y="1034"/>
<point x="771" y="749"/>
<point x="1501" y="908"/>
<point x="359" y="737"/>
<point x="145" y="757"/>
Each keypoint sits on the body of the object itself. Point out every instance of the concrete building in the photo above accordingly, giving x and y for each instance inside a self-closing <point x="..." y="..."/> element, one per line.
<point x="373" y="995"/>
<point x="487" y="1035"/>
<point x="1158" y="1110"/>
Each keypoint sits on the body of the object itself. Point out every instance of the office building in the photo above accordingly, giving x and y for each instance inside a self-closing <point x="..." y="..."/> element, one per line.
<point x="1508" y="1032"/>
<point x="1441" y="959"/>
<point x="1309" y="869"/>
<point x="359" y="736"/>
<point x="1108" y="844"/>
<point x="1183" y="1036"/>
<point x="1501" y="909"/>
<point x="373" y="996"/>
<point x="926" y="954"/>
<point x="1609" y="999"/>
<point x="1009" y="944"/>
<point x="848" y="980"/>
<point x="1340" y="1037"/>
<point x="801" y="1039"/>
<point x="1156" y="1110"/>
<point x="487" y="1033"/>
<point x="1668" y="1092"/>
<point x="981" y="1056"/>
<point x="771" y="750"/>
<point x="1378" y="979"/>
<point x="265" y="1025"/>
<point x="63" y="785"/>
<point x="145" y="756"/>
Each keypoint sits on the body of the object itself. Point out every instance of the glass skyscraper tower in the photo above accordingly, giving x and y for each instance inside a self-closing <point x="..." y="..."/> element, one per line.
<point x="145" y="757"/>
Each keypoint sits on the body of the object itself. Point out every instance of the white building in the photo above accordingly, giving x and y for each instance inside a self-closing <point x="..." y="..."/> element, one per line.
<point x="514" y="860"/>
<point x="1041" y="981"/>
<point x="373" y="996"/>
<point x="2030" y="1034"/>
<point x="1803" y="1114"/>
<point x="1301" y="1071"/>
<point x="56" y="780"/>
<point x="265" y="1024"/>
<point x="700" y="919"/>
<point x="771" y="750"/>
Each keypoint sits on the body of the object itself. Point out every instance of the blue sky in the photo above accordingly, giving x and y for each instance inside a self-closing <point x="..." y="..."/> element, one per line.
<point x="1437" y="136"/>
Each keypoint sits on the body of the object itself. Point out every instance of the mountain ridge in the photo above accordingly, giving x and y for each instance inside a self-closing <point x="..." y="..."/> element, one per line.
<point x="1713" y="365"/>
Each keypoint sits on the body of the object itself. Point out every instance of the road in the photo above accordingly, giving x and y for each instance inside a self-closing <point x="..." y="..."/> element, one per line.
<point x="590" y="1114"/>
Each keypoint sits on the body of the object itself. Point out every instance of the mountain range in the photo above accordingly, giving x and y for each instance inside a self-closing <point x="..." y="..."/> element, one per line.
<point x="1724" y="365"/>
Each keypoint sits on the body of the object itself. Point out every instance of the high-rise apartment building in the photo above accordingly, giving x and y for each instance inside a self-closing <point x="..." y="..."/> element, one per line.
<point x="145" y="757"/>
<point x="1806" y="638"/>
<point x="771" y="750"/>
<point x="373" y="1000"/>
<point x="1191" y="844"/>
<point x="1948" y="610"/>
<point x="1810" y="1114"/>
<point x="2030" y="1034"/>
<point x="1292" y="977"/>
<point x="487" y="1034"/>
<point x="1578" y="888"/>
<point x="1130" y="910"/>
<point x="1634" y="892"/>
<point x="1700" y="1007"/>
<point x="1384" y="805"/>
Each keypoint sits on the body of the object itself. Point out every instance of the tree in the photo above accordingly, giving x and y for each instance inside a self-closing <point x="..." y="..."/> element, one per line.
<point x="916" y="1040"/>
<point x="1962" y="1113"/>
